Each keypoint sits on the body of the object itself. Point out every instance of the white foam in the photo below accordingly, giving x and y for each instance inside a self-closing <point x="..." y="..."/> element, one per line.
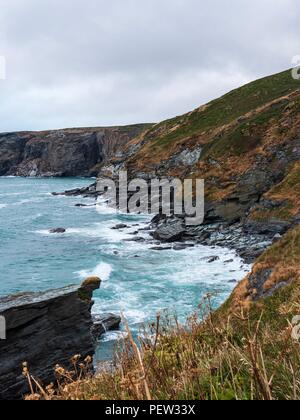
<point x="113" y="336"/>
<point x="103" y="208"/>
<point x="201" y="271"/>
<point x="43" y="232"/>
<point x="102" y="270"/>
<point x="2" y="206"/>
<point x="27" y="201"/>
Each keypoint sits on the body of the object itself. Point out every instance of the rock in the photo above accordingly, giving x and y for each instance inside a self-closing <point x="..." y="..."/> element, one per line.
<point x="85" y="205"/>
<point x="138" y="239"/>
<point x="228" y="261"/>
<point x="213" y="259"/>
<point x="185" y="158"/>
<point x="160" y="248"/>
<point x="170" y="232"/>
<point x="44" y="329"/>
<point x="270" y="227"/>
<point x="145" y="229"/>
<point x="104" y="323"/>
<point x="159" y="218"/>
<point x="119" y="226"/>
<point x="57" y="230"/>
<point x="181" y="247"/>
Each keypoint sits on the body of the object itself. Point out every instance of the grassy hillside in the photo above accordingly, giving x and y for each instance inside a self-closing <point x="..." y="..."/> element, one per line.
<point x="201" y="124"/>
<point x="226" y="109"/>
<point x="251" y="130"/>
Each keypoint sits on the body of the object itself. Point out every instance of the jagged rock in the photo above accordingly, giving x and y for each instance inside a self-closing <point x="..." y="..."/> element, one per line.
<point x="257" y="281"/>
<point x="160" y="248"/>
<point x="85" y="205"/>
<point x="181" y="247"/>
<point x="213" y="259"/>
<point x="270" y="227"/>
<point x="44" y="329"/>
<point x="170" y="232"/>
<point x="185" y="158"/>
<point x="70" y="152"/>
<point x="137" y="239"/>
<point x="57" y="230"/>
<point x="104" y="323"/>
<point x="119" y="226"/>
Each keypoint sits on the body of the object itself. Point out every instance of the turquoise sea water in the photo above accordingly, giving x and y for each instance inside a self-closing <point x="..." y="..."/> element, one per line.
<point x="137" y="281"/>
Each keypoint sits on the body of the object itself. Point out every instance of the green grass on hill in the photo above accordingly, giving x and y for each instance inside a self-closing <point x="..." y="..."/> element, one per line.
<point x="226" y="109"/>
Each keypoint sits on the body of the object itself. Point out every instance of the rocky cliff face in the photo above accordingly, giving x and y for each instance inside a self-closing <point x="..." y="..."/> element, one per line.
<point x="245" y="145"/>
<point x="44" y="329"/>
<point x="70" y="152"/>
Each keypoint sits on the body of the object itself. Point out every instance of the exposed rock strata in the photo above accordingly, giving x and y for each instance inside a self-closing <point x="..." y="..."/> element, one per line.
<point x="69" y="152"/>
<point x="44" y="329"/>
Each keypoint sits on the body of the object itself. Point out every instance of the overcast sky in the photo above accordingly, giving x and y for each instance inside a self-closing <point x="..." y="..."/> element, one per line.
<point x="108" y="62"/>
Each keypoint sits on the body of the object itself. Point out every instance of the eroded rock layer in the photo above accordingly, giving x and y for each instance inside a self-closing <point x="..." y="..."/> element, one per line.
<point x="44" y="329"/>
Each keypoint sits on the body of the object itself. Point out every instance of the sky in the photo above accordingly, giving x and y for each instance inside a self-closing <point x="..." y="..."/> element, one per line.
<point x="71" y="63"/>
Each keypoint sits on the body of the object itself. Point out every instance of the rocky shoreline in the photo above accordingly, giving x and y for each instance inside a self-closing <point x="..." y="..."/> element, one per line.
<point x="45" y="329"/>
<point x="248" y="240"/>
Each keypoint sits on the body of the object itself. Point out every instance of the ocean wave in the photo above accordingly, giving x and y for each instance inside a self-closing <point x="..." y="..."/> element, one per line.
<point x="102" y="270"/>
<point x="113" y="336"/>
<point x="2" y="206"/>
<point x="10" y="194"/>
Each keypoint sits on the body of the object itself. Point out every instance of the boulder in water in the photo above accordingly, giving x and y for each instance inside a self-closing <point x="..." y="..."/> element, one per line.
<point x="104" y="323"/>
<point x="58" y="230"/>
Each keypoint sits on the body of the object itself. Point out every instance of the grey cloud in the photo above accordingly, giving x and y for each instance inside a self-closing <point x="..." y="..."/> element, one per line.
<point x="82" y="63"/>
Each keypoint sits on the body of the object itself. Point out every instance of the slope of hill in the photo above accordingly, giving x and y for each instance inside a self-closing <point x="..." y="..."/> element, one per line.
<point x="246" y="145"/>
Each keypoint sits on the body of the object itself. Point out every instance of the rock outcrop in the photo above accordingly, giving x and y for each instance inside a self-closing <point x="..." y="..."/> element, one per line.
<point x="69" y="152"/>
<point x="44" y="329"/>
<point x="104" y="323"/>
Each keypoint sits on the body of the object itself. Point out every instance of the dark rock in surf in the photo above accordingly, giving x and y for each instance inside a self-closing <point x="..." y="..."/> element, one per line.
<point x="213" y="259"/>
<point x="119" y="226"/>
<point x="57" y="230"/>
<point x="104" y="323"/>
<point x="170" y="232"/>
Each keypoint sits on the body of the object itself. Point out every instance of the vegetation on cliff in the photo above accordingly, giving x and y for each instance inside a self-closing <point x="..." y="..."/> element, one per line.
<point x="249" y="149"/>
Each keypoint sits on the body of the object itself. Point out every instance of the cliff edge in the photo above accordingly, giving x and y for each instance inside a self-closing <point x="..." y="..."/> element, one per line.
<point x="44" y="329"/>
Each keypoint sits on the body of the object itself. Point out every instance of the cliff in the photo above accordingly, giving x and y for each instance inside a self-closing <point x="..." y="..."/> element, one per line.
<point x="44" y="329"/>
<point x="69" y="152"/>
<point x="245" y="145"/>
